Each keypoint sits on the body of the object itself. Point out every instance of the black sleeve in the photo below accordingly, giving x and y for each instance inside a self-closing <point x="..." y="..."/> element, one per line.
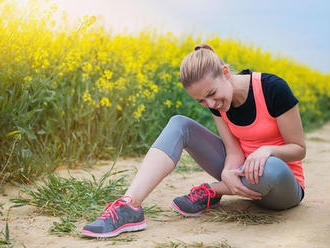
<point x="215" y="112"/>
<point x="278" y="95"/>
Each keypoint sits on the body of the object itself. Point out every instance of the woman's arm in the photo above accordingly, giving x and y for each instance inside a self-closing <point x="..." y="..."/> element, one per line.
<point x="291" y="130"/>
<point x="234" y="153"/>
<point x="231" y="174"/>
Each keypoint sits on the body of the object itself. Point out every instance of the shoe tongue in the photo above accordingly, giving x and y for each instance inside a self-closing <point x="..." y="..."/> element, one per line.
<point x="205" y="185"/>
<point x="125" y="200"/>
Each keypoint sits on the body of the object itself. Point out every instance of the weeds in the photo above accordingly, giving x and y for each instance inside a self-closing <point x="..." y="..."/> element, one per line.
<point x="153" y="210"/>
<point x="244" y="217"/>
<point x="5" y="233"/>
<point x="186" y="164"/>
<point x="181" y="244"/>
<point x="65" y="226"/>
<point x="115" y="241"/>
<point x="72" y="199"/>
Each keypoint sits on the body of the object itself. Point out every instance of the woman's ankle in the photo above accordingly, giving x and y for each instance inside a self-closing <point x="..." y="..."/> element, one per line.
<point x="133" y="202"/>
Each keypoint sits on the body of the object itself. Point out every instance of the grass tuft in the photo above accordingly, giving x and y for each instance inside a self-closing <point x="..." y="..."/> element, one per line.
<point x="244" y="217"/>
<point x="186" y="164"/>
<point x="5" y="241"/>
<point x="72" y="199"/>
<point x="66" y="226"/>
<point x="115" y="240"/>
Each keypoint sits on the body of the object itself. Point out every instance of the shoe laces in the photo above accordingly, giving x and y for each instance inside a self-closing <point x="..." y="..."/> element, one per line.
<point x="200" y="192"/>
<point x="110" y="209"/>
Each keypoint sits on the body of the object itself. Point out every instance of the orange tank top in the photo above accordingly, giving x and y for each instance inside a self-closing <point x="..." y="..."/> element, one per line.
<point x="263" y="131"/>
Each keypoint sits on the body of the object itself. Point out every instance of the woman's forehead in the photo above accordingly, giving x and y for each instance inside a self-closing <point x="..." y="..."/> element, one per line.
<point x="202" y="88"/>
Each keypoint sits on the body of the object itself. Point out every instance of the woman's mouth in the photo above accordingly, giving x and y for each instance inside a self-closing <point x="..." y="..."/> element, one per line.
<point x="219" y="105"/>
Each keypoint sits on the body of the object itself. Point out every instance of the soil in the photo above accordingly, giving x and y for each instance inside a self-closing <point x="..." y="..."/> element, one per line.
<point x="307" y="225"/>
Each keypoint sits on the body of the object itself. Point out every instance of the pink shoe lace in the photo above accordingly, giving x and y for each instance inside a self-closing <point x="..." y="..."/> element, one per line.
<point x="196" y="192"/>
<point x="110" y="209"/>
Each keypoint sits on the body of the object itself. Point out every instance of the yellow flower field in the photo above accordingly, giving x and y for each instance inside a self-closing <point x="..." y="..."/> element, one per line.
<point x="72" y="93"/>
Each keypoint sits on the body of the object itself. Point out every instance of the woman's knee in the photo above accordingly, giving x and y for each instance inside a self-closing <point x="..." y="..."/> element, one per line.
<point x="179" y="121"/>
<point x="276" y="170"/>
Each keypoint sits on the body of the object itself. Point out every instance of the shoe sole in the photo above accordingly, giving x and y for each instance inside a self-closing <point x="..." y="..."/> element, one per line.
<point x="132" y="227"/>
<point x="177" y="209"/>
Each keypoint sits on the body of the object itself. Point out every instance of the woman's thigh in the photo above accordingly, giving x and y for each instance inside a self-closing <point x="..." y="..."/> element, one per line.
<point x="206" y="148"/>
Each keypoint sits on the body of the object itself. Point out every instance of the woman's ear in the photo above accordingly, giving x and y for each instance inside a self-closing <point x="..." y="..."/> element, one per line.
<point x="226" y="72"/>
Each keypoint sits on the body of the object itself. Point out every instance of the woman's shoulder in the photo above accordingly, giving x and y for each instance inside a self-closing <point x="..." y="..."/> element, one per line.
<point x="278" y="95"/>
<point x="272" y="80"/>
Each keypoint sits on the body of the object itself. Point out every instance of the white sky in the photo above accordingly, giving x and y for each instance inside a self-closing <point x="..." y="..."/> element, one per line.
<point x="295" y="28"/>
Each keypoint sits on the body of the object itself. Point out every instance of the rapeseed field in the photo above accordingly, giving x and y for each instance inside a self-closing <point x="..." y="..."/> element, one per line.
<point x="73" y="93"/>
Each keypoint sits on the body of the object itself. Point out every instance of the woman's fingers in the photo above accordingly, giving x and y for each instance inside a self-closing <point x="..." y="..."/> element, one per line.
<point x="242" y="190"/>
<point x="256" y="171"/>
<point x="246" y="192"/>
<point x="249" y="171"/>
<point x="253" y="169"/>
<point x="262" y="167"/>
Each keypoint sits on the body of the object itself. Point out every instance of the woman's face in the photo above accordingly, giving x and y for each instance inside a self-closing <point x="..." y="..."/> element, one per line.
<point x="216" y="93"/>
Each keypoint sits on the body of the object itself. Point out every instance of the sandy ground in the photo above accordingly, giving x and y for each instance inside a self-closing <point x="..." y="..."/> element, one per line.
<point x="307" y="225"/>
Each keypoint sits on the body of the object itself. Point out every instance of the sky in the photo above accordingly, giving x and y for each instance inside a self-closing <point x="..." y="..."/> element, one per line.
<point x="299" y="29"/>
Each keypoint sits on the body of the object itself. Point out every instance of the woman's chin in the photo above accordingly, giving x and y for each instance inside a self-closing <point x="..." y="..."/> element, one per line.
<point x="224" y="108"/>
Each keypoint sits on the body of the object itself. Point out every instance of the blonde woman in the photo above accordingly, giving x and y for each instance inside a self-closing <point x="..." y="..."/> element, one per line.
<point x="257" y="155"/>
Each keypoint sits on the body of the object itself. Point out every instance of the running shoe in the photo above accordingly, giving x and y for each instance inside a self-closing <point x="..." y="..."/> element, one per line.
<point x="118" y="216"/>
<point x="197" y="201"/>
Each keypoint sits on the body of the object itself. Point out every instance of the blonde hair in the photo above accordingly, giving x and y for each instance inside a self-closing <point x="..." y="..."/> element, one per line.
<point x="201" y="62"/>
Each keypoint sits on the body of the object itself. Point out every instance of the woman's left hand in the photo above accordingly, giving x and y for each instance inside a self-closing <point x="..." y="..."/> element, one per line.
<point x="254" y="164"/>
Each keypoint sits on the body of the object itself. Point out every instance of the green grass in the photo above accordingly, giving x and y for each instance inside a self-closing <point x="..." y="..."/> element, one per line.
<point x="5" y="240"/>
<point x="72" y="199"/>
<point x="187" y="164"/>
<point x="317" y="139"/>
<point x="6" y="236"/>
<point x="181" y="244"/>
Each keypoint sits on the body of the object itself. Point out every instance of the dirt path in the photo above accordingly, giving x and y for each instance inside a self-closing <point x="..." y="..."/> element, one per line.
<point x="305" y="226"/>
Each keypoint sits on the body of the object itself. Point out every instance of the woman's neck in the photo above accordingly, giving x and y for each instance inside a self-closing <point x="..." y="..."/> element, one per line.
<point x="241" y="84"/>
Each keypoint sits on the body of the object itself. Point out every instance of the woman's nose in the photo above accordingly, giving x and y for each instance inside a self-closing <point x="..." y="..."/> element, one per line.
<point x="210" y="102"/>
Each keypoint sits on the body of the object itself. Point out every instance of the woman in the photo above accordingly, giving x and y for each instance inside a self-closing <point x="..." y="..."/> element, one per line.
<point x="258" y="154"/>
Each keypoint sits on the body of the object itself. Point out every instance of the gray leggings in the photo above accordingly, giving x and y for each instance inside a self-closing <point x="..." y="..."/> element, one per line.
<point x="278" y="185"/>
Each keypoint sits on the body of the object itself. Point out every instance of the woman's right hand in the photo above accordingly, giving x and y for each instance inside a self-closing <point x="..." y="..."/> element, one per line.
<point x="233" y="181"/>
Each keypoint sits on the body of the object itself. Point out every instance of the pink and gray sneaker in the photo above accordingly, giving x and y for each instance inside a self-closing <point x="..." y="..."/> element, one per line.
<point x="197" y="201"/>
<point x="119" y="216"/>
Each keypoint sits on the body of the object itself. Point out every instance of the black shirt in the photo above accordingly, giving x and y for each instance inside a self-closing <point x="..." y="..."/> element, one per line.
<point x="278" y="96"/>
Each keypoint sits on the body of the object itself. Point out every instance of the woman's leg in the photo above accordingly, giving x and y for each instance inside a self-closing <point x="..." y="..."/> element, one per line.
<point x="155" y="166"/>
<point x="180" y="133"/>
<point x="278" y="185"/>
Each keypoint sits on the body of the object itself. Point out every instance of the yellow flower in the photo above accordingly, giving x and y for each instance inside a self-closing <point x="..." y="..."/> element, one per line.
<point x="146" y="93"/>
<point x="168" y="103"/>
<point x="108" y="74"/>
<point x="119" y="107"/>
<point x="178" y="104"/>
<point x="104" y="102"/>
<point x="27" y="78"/>
<point x="53" y="84"/>
<point x="154" y="88"/>
<point x="138" y="112"/>
<point x="179" y="85"/>
<point x="87" y="98"/>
